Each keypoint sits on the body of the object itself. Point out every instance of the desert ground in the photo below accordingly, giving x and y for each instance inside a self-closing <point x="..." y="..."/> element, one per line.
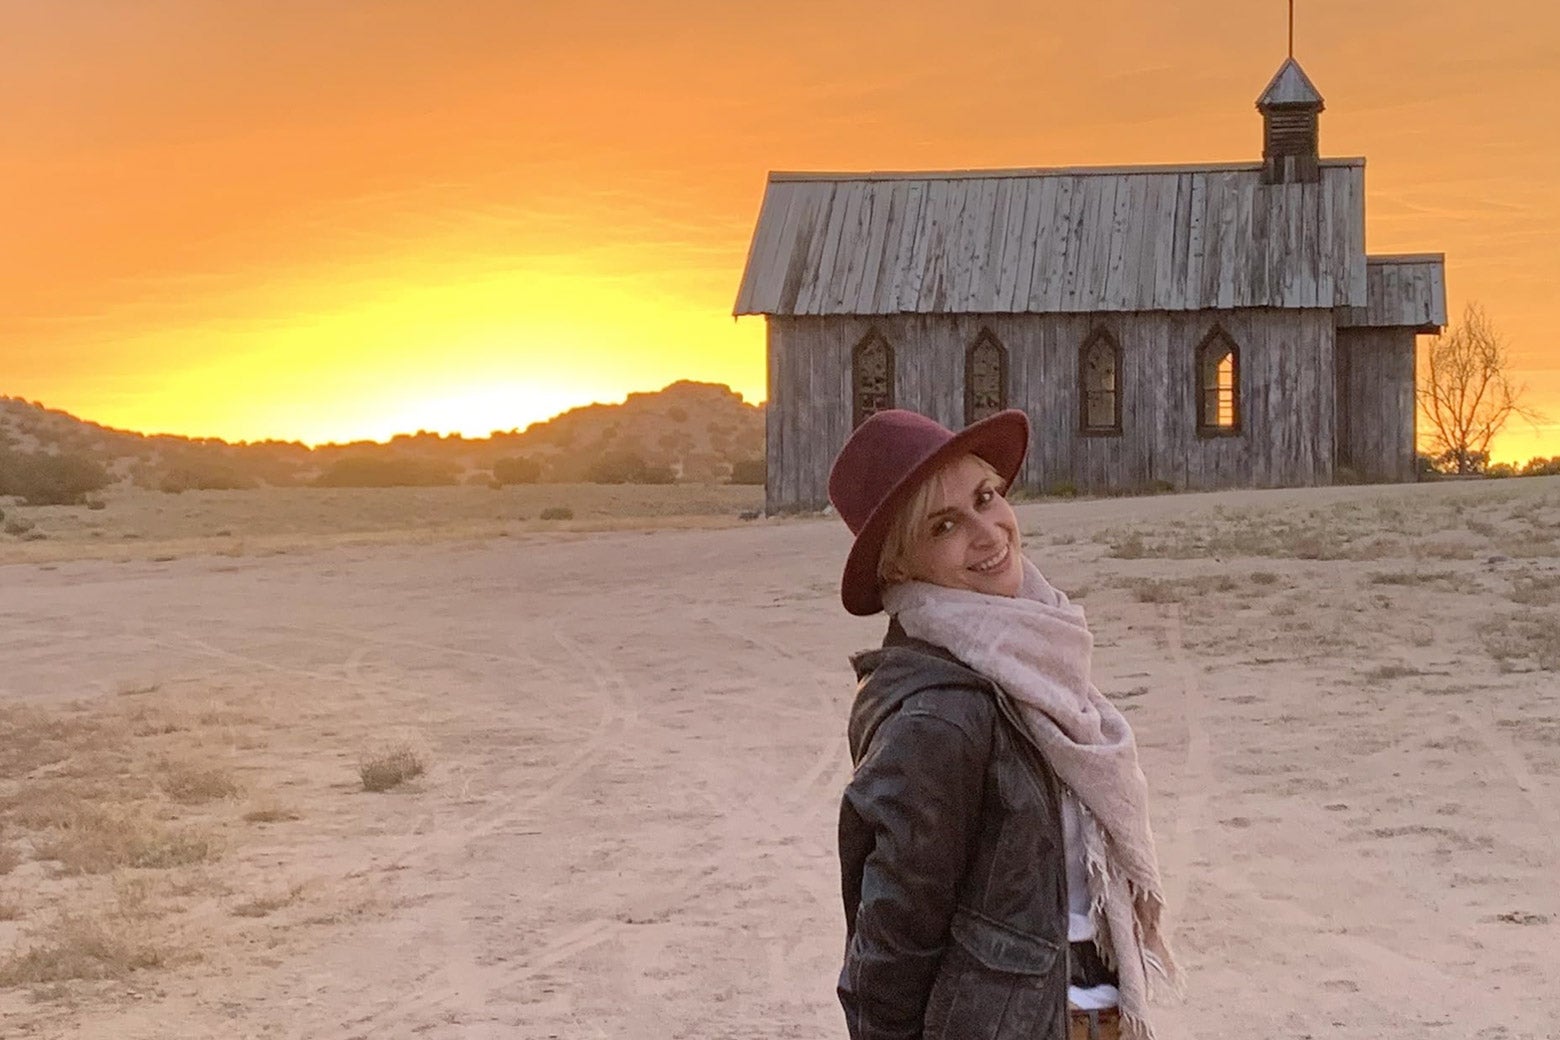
<point x="619" y="741"/>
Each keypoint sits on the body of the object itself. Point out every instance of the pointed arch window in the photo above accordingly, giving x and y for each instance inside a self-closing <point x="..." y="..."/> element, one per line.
<point x="985" y="378"/>
<point x="1099" y="384"/>
<point x="1218" y="385"/>
<point x="871" y="377"/>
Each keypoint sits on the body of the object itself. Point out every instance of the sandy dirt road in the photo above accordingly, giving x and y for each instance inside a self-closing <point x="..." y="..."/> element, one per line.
<point x="637" y="749"/>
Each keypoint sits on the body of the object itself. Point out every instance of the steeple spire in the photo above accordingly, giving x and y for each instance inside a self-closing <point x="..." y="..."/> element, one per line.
<point x="1291" y="108"/>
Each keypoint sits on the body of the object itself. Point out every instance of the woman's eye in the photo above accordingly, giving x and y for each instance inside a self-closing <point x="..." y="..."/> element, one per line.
<point x="942" y="527"/>
<point x="985" y="496"/>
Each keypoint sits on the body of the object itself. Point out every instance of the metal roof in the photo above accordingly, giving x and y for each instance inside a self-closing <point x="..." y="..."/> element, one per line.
<point x="1290" y="86"/>
<point x="1062" y="240"/>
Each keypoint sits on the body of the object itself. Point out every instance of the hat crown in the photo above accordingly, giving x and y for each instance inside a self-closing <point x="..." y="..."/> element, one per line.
<point x="881" y="452"/>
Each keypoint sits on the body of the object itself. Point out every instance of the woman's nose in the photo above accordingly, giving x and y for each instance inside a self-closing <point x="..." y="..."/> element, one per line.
<point x="989" y="532"/>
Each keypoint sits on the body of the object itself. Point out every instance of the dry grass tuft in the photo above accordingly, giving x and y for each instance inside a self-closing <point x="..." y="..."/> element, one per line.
<point x="271" y="814"/>
<point x="10" y="909"/>
<point x="1537" y="590"/>
<point x="98" y="839"/>
<point x="390" y="767"/>
<point x="193" y="785"/>
<point x="260" y="906"/>
<point x="1516" y="639"/>
<point x="1386" y="672"/>
<point x="10" y="859"/>
<point x="78" y="947"/>
<point x="1412" y="577"/>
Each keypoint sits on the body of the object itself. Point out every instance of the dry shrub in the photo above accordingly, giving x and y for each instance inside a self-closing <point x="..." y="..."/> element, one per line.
<point x="1445" y="549"/>
<point x="260" y="906"/>
<point x="1412" y="577"/>
<point x="10" y="859"/>
<point x="1129" y="547"/>
<point x="10" y="909"/>
<point x="1155" y="590"/>
<point x="1539" y="590"/>
<point x="1264" y="578"/>
<point x="192" y="785"/>
<point x="35" y="739"/>
<point x="1532" y="548"/>
<point x="77" y="947"/>
<point x="389" y="767"/>
<point x="96" y="840"/>
<point x="1385" y="672"/>
<point x="1517" y="638"/>
<point x="271" y="814"/>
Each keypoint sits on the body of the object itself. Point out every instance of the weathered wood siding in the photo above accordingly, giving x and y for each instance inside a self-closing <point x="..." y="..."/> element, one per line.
<point x="1376" y="412"/>
<point x="1406" y="291"/>
<point x="1078" y="241"/>
<point x="1287" y="375"/>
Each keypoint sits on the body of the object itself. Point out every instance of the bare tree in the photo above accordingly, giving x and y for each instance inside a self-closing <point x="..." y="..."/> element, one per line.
<point x="1466" y="393"/>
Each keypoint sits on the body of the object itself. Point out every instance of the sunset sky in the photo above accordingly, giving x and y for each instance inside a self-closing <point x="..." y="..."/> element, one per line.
<point x="334" y="219"/>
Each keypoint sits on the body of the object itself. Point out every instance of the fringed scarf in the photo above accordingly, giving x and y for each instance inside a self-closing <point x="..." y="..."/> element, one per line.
<point x="1037" y="648"/>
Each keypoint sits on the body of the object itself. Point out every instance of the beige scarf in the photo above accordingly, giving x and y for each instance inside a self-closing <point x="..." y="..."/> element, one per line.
<point x="1037" y="648"/>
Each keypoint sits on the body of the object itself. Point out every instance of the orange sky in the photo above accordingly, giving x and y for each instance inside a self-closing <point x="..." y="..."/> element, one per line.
<point x="330" y="220"/>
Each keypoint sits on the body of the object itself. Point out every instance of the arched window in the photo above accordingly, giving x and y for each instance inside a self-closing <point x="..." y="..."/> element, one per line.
<point x="1218" y="385"/>
<point x="1099" y="384"/>
<point x="871" y="377"/>
<point x="985" y="378"/>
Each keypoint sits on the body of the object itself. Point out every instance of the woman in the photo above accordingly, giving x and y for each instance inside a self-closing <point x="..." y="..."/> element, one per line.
<point x="995" y="850"/>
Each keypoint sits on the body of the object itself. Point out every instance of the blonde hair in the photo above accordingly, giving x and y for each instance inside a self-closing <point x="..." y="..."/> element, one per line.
<point x="914" y="514"/>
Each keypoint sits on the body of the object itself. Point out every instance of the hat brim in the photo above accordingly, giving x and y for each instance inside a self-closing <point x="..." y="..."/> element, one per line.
<point x="1001" y="439"/>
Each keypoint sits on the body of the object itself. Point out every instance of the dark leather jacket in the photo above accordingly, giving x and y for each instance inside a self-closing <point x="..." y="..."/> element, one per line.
<point x="951" y="859"/>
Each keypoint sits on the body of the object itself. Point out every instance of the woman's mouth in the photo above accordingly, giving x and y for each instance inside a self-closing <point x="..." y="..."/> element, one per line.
<point x="992" y="563"/>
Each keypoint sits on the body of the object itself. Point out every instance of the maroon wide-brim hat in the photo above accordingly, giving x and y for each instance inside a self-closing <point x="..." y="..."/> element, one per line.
<point x="881" y="465"/>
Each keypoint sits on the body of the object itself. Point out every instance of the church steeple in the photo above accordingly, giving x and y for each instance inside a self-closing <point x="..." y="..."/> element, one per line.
<point x="1291" y="108"/>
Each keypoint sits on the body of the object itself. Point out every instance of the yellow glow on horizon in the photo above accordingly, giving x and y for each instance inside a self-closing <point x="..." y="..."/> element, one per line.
<point x="497" y="351"/>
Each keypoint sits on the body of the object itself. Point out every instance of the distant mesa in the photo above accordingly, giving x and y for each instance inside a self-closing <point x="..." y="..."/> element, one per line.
<point x="688" y="432"/>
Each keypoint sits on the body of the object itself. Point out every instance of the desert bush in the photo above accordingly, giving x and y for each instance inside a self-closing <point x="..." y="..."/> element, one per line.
<point x="519" y="469"/>
<point x="749" y="471"/>
<point x="270" y="813"/>
<point x="557" y="513"/>
<point x="79" y="947"/>
<point x="1411" y="577"/>
<point x="1538" y="590"/>
<point x="627" y="467"/>
<point x="1155" y="590"/>
<point x="390" y="767"/>
<point x="192" y="785"/>
<point x="1386" y="672"/>
<point x="18" y="526"/>
<point x="366" y="471"/>
<point x="40" y="479"/>
<point x="194" y="473"/>
<point x="1515" y="637"/>
<point x="260" y="906"/>
<point x="96" y="840"/>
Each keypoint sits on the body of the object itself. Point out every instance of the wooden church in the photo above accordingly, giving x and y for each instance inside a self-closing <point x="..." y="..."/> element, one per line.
<point x="1195" y="327"/>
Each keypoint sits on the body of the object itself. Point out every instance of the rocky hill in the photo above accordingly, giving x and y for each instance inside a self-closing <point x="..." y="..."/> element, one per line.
<point x="689" y="432"/>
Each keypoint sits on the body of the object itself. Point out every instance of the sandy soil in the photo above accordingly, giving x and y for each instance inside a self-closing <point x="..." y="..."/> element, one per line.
<point x="1348" y="702"/>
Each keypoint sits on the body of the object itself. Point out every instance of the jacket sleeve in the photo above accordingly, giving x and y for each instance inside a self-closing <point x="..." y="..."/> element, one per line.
<point x="913" y="811"/>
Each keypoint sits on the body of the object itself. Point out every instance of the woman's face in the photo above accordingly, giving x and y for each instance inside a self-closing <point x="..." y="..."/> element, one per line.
<point x="969" y="538"/>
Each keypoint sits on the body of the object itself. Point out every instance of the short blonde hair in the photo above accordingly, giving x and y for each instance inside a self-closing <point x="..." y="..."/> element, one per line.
<point x="915" y="512"/>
